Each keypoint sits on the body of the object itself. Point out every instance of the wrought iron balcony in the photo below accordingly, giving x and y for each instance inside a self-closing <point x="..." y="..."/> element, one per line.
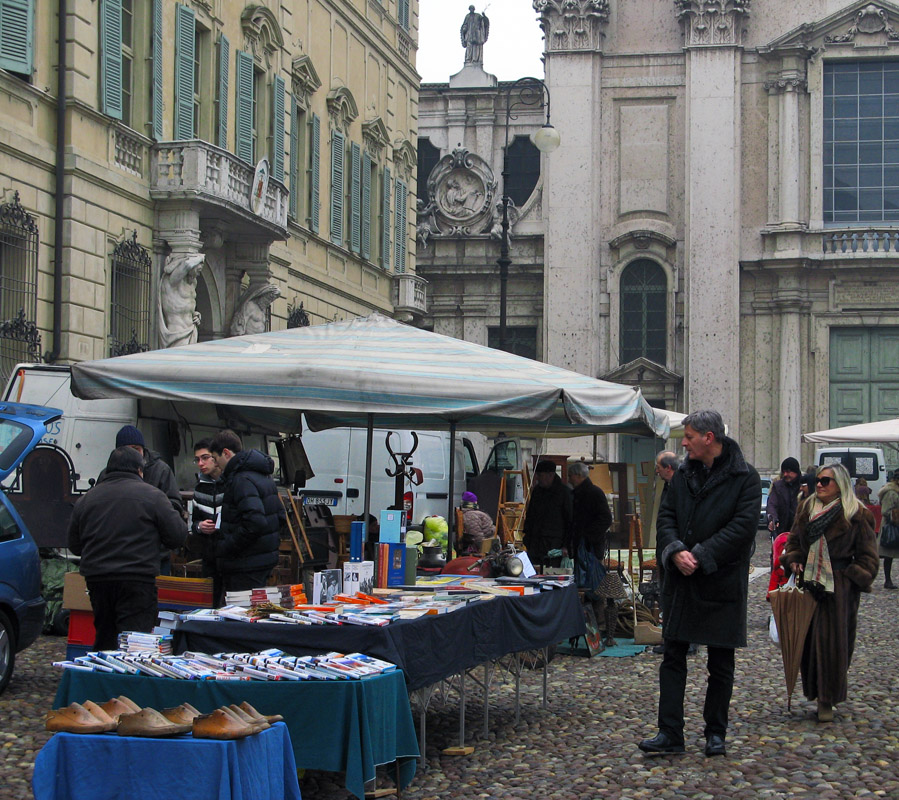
<point x="409" y="296"/>
<point x="201" y="171"/>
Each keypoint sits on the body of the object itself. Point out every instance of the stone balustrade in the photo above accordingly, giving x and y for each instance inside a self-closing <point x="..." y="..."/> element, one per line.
<point x="409" y="294"/>
<point x="866" y="242"/>
<point x="197" y="168"/>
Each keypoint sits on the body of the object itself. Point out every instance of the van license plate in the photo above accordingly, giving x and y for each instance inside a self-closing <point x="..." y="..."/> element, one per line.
<point x="312" y="500"/>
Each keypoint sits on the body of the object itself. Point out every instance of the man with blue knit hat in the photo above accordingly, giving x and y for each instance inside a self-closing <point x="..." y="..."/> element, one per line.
<point x="157" y="473"/>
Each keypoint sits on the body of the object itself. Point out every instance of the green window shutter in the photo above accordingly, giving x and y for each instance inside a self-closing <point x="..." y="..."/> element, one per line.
<point x="294" y="167"/>
<point x="243" y="111"/>
<point x="385" y="220"/>
<point x="337" y="187"/>
<point x="278" y="128"/>
<point x="314" y="161"/>
<point x="399" y="248"/>
<point x="366" y="206"/>
<point x="224" y="64"/>
<point x="111" y="58"/>
<point x="355" y="198"/>
<point x="403" y="13"/>
<point x="17" y="37"/>
<point x="185" y="33"/>
<point x="156" y="103"/>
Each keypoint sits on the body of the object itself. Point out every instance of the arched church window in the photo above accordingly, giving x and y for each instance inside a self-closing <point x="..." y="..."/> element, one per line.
<point x="643" y="327"/>
<point x="129" y="307"/>
<point x="428" y="156"/>
<point x="524" y="169"/>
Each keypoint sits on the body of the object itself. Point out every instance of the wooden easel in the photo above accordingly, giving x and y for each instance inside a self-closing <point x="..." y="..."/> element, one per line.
<point x="510" y="515"/>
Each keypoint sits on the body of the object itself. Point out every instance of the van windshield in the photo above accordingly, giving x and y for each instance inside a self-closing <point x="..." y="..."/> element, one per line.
<point x="859" y="465"/>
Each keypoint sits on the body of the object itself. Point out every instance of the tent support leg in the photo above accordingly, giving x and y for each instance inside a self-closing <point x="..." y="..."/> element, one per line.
<point x="369" y="446"/>
<point x="451" y="509"/>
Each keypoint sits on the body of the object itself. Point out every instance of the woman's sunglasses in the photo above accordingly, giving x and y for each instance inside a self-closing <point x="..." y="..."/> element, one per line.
<point x="824" y="480"/>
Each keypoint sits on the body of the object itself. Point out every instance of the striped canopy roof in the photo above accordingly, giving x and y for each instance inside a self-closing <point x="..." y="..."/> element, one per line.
<point x="341" y="372"/>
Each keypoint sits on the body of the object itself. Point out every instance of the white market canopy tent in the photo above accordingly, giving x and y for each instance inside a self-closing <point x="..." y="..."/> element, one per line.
<point x="886" y="430"/>
<point x="375" y="370"/>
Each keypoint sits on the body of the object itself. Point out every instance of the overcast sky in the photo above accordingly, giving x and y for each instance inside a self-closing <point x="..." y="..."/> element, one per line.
<point x="512" y="51"/>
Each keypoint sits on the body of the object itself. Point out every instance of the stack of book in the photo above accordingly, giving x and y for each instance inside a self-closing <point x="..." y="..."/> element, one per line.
<point x="155" y="643"/>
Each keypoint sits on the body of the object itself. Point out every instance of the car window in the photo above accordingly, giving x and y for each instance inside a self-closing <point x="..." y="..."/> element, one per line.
<point x="9" y="529"/>
<point x="14" y="438"/>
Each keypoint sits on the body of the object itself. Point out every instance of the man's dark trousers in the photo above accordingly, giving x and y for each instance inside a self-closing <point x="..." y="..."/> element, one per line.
<point x="673" y="685"/>
<point x="121" y="606"/>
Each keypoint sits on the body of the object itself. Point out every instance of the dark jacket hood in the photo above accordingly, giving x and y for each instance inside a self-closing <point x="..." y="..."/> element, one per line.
<point x="250" y="460"/>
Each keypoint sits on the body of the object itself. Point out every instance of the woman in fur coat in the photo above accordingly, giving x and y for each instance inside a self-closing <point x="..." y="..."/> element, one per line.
<point x="835" y="513"/>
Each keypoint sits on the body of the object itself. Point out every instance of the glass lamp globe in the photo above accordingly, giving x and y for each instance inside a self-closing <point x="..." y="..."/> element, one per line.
<point x="547" y="139"/>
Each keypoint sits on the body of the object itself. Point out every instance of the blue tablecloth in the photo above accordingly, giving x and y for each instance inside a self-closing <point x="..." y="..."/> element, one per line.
<point x="339" y="726"/>
<point x="111" y="767"/>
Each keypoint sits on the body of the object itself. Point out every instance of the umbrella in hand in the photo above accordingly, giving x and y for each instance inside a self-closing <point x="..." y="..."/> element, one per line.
<point x="793" y="608"/>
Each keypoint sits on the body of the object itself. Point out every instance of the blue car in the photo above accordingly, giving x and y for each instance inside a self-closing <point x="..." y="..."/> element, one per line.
<point x="21" y="605"/>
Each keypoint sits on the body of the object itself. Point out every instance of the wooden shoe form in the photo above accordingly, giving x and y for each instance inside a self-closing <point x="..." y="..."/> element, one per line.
<point x="221" y="725"/>
<point x="128" y="702"/>
<point x="100" y="713"/>
<point x="260" y="724"/>
<point x="149" y="722"/>
<point x="184" y="714"/>
<point x="271" y="719"/>
<point x="114" y="707"/>
<point x="75" y="718"/>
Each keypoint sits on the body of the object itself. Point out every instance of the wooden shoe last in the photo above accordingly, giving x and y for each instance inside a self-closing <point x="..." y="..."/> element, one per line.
<point x="149" y="722"/>
<point x="184" y="714"/>
<point x="221" y="725"/>
<point x="75" y="718"/>
<point x="269" y="718"/>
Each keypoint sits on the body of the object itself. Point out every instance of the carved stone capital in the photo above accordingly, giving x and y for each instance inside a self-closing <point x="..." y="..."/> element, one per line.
<point x="786" y="82"/>
<point x="572" y="24"/>
<point x="712" y="22"/>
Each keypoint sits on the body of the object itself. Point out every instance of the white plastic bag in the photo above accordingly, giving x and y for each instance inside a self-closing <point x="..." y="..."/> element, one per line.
<point x="772" y="630"/>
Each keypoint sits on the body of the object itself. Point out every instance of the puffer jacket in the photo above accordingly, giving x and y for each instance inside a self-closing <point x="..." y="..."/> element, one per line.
<point x="713" y="514"/>
<point x="252" y="514"/>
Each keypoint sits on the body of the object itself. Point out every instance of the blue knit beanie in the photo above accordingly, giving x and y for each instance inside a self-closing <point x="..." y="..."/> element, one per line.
<point x="127" y="435"/>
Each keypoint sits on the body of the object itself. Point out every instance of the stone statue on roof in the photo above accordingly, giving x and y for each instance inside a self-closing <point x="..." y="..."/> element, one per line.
<point x="474" y="32"/>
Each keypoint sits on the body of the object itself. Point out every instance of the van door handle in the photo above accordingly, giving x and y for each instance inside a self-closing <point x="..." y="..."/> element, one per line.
<point x="352" y="492"/>
<point x="436" y="495"/>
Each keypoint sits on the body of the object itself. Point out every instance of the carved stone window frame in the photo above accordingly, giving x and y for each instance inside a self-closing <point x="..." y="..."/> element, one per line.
<point x="342" y="108"/>
<point x="375" y="137"/>
<point x="304" y="80"/>
<point x="263" y="35"/>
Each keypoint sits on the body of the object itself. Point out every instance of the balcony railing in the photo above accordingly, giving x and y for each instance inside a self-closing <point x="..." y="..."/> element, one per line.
<point x="861" y="241"/>
<point x="214" y="175"/>
<point x="409" y="294"/>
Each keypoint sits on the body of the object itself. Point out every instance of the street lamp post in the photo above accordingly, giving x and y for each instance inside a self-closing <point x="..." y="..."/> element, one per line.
<point x="524" y="93"/>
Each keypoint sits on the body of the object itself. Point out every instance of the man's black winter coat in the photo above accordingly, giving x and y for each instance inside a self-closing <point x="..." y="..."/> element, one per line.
<point x="252" y="514"/>
<point x="713" y="514"/>
<point x="591" y="518"/>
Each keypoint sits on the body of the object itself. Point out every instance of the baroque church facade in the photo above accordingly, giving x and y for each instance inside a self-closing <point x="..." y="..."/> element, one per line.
<point x="720" y="223"/>
<point x="180" y="171"/>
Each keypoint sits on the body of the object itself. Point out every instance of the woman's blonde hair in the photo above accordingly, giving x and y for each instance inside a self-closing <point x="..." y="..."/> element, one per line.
<point x="844" y="484"/>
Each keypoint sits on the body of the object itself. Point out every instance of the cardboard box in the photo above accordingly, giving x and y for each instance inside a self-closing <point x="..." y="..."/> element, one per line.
<point x="74" y="592"/>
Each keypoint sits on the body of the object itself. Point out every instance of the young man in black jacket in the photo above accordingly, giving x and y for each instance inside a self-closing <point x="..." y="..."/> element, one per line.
<point x="209" y="495"/>
<point x="252" y="514"/>
<point x="117" y="529"/>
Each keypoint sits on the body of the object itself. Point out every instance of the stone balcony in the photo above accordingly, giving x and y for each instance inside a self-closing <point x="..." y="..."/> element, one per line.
<point x="201" y="172"/>
<point x="409" y="297"/>
<point x="881" y="240"/>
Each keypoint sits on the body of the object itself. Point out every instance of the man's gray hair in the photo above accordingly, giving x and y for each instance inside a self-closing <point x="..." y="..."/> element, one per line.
<point x="706" y="422"/>
<point x="579" y="468"/>
<point x="669" y="459"/>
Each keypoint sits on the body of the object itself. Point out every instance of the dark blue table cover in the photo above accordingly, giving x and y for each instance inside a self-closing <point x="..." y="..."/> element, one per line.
<point x="427" y="649"/>
<point x="339" y="726"/>
<point x="111" y="767"/>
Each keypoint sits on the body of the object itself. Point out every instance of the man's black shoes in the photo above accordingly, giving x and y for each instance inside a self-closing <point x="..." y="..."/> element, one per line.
<point x="661" y="745"/>
<point x="714" y="745"/>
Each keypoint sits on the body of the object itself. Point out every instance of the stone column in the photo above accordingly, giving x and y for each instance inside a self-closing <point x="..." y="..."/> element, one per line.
<point x="713" y="30"/>
<point x="789" y="85"/>
<point x="789" y="404"/>
<point x="572" y="183"/>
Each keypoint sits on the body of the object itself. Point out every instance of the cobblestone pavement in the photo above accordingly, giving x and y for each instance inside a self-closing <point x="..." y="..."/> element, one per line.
<point x="584" y="744"/>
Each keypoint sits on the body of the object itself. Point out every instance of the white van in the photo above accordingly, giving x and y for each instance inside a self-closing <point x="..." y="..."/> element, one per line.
<point x="338" y="458"/>
<point x="861" y="462"/>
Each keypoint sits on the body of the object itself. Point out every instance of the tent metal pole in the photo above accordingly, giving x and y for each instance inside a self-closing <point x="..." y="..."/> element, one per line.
<point x="369" y="446"/>
<point x="451" y="509"/>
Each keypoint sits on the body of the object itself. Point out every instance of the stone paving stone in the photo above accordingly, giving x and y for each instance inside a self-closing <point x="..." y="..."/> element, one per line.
<point x="585" y="744"/>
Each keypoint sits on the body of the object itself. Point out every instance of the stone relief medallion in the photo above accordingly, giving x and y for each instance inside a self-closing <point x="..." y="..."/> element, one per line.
<point x="462" y="190"/>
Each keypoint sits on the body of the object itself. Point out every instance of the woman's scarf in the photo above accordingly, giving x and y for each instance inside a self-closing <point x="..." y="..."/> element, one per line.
<point x="822" y="518"/>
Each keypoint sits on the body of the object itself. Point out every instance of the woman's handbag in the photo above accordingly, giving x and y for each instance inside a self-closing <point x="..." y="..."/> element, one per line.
<point x="588" y="570"/>
<point x="889" y="535"/>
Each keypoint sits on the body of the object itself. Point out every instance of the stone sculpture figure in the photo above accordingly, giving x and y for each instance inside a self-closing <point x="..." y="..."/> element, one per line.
<point x="179" y="319"/>
<point x="251" y="312"/>
<point x="474" y="32"/>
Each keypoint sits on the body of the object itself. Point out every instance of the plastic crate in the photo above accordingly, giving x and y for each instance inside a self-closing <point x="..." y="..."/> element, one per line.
<point x="81" y="627"/>
<point x="75" y="650"/>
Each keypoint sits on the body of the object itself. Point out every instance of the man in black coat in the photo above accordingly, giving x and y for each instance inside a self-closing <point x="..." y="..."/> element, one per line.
<point x="784" y="498"/>
<point x="705" y="537"/>
<point x="252" y="514"/>
<point x="209" y="495"/>
<point x="547" y="521"/>
<point x="117" y="529"/>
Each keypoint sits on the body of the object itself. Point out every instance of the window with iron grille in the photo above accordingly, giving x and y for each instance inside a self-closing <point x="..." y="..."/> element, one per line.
<point x="129" y="308"/>
<point x="644" y="297"/>
<point x="19" y="337"/>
